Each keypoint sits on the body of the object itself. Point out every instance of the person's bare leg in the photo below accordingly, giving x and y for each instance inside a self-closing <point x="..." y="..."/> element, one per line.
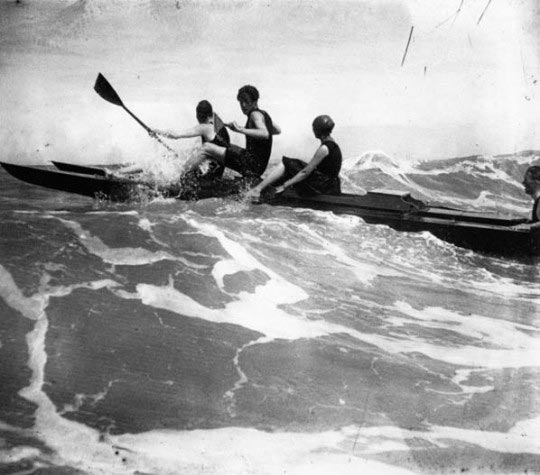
<point x="213" y="151"/>
<point x="209" y="151"/>
<point x="274" y="176"/>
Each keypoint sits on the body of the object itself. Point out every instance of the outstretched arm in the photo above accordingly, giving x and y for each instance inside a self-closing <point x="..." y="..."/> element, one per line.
<point x="320" y="154"/>
<point x="196" y="131"/>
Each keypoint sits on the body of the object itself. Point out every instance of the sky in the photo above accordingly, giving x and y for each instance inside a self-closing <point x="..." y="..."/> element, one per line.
<point x="468" y="84"/>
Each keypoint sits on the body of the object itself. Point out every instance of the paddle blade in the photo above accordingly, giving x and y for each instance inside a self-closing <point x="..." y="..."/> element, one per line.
<point x="106" y="91"/>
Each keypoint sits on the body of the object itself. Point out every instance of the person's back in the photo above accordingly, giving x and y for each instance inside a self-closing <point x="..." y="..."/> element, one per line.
<point x="260" y="147"/>
<point x="214" y="168"/>
<point x="330" y="166"/>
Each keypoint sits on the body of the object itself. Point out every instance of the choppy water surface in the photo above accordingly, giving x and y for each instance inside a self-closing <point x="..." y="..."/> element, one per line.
<point x="223" y="337"/>
<point x="165" y="337"/>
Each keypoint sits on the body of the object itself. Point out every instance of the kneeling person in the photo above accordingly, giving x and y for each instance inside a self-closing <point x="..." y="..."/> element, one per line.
<point x="319" y="176"/>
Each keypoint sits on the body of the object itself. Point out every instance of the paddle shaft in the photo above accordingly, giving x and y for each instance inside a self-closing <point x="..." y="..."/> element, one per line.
<point x="148" y="129"/>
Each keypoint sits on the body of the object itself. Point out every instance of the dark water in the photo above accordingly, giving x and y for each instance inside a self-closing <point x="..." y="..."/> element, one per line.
<point x="221" y="337"/>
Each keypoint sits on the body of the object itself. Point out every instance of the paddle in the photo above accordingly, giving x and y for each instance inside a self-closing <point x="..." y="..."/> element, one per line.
<point x="106" y="91"/>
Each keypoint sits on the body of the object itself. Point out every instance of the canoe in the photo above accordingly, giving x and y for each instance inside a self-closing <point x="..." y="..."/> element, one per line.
<point x="86" y="184"/>
<point x="494" y="233"/>
<point x="94" y="182"/>
<point x="71" y="167"/>
<point x="500" y="234"/>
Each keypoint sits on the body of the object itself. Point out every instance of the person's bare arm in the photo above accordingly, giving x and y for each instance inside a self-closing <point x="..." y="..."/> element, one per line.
<point x="276" y="129"/>
<point x="196" y="131"/>
<point x="318" y="157"/>
<point x="259" y="131"/>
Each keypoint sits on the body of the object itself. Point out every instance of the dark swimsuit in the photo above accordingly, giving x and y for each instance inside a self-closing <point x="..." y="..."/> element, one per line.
<point x="222" y="136"/>
<point x="223" y="140"/>
<point x="323" y="180"/>
<point x="252" y="160"/>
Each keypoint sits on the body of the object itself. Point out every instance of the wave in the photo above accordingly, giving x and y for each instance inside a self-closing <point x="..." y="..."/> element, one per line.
<point x="478" y="182"/>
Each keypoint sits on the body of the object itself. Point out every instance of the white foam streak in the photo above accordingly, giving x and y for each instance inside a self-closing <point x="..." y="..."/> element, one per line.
<point x="515" y="349"/>
<point x="364" y="271"/>
<point x="258" y="311"/>
<point x="509" y="288"/>
<point x="17" y="454"/>
<point x="29" y="307"/>
<point x="513" y="441"/>
<point x="127" y="256"/>
<point x="278" y="288"/>
<point x="518" y="440"/>
<point x="500" y="333"/>
<point x="242" y="377"/>
<point x="242" y="451"/>
<point x="463" y="375"/>
<point x="528" y="428"/>
<point x="226" y="267"/>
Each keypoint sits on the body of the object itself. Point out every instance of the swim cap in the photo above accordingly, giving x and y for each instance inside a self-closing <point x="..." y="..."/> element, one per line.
<point x="323" y="125"/>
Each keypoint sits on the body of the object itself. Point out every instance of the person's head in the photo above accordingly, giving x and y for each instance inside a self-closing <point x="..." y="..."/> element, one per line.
<point x="247" y="97"/>
<point x="531" y="180"/>
<point x="204" y="111"/>
<point x="323" y="126"/>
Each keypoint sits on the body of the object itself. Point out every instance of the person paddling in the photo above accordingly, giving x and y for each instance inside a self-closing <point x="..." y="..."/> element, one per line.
<point x="210" y="128"/>
<point x="531" y="183"/>
<point x="251" y="161"/>
<point x="319" y="176"/>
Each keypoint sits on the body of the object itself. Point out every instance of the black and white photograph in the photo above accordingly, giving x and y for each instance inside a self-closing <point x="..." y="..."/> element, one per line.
<point x="276" y="237"/>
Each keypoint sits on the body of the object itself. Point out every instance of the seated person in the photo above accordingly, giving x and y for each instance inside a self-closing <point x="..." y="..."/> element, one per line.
<point x="531" y="183"/>
<point x="319" y="176"/>
<point x="210" y="128"/>
<point x="251" y="161"/>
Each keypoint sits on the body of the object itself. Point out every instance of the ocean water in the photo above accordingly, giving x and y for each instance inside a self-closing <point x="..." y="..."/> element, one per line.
<point x="222" y="337"/>
<point x="166" y="337"/>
